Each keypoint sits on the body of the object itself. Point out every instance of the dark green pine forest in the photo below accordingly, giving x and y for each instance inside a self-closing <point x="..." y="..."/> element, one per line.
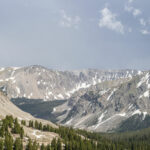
<point x="70" y="139"/>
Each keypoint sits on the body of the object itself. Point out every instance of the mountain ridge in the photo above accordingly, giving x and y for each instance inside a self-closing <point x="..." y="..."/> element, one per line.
<point x="48" y="84"/>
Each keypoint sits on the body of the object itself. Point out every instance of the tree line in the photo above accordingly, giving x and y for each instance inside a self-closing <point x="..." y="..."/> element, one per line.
<point x="69" y="138"/>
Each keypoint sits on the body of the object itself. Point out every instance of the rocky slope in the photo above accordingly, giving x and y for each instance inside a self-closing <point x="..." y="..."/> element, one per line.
<point x="37" y="82"/>
<point x="8" y="108"/>
<point x="107" y="107"/>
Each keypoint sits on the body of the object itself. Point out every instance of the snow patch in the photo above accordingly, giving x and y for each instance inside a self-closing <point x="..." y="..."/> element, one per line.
<point x="14" y="81"/>
<point x="55" y="97"/>
<point x="78" y="87"/>
<point x="38" y="82"/>
<point x="2" y="69"/>
<point x="68" y="94"/>
<point x="99" y="120"/>
<point x="144" y="115"/>
<point x="11" y="78"/>
<point x="60" y="96"/>
<point x="47" y="97"/>
<point x="50" y="93"/>
<point x="15" y="68"/>
<point x="68" y="122"/>
<point x="18" y="90"/>
<point x="122" y="115"/>
<point x="136" y="112"/>
<point x="54" y="109"/>
<point x="144" y="79"/>
<point x="140" y="72"/>
<point x="146" y="94"/>
<point x="130" y="106"/>
<point x="111" y="94"/>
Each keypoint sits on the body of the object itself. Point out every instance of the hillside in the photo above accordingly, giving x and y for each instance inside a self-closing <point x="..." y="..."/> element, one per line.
<point x="13" y="136"/>
<point x="106" y="109"/>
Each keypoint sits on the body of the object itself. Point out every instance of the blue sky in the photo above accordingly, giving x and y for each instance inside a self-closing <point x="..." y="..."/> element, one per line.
<point x="75" y="34"/>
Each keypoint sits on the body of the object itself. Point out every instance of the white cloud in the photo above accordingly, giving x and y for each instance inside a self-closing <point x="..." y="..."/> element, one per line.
<point x="130" y="1"/>
<point x="145" y="32"/>
<point x="69" y="21"/>
<point x="135" y="12"/>
<point x="108" y="20"/>
<point x="142" y="22"/>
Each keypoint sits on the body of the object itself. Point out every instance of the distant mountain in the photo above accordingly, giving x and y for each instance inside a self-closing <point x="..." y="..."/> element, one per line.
<point x="91" y="99"/>
<point x="37" y="82"/>
<point x="119" y="107"/>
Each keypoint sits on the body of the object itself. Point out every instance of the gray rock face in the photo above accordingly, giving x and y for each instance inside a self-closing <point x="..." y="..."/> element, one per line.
<point x="105" y="107"/>
<point x="37" y="82"/>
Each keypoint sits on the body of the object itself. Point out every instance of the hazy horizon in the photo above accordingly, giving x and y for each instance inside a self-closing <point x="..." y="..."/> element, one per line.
<point x="75" y="35"/>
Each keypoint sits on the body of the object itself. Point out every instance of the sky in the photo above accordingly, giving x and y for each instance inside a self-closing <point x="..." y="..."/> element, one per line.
<point x="75" y="34"/>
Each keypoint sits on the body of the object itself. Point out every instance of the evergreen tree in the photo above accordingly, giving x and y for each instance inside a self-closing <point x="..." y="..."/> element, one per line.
<point x="48" y="147"/>
<point x="59" y="145"/>
<point x="54" y="144"/>
<point x="40" y="126"/>
<point x="35" y="146"/>
<point x="36" y="125"/>
<point x="2" y="131"/>
<point x="16" y="128"/>
<point x="29" y="146"/>
<point x="23" y="122"/>
<point x="42" y="147"/>
<point x="1" y="144"/>
<point x="18" y="144"/>
<point x="31" y="123"/>
<point x="8" y="142"/>
<point x="21" y="132"/>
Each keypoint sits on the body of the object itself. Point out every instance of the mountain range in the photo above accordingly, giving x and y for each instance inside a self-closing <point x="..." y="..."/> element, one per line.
<point x="95" y="100"/>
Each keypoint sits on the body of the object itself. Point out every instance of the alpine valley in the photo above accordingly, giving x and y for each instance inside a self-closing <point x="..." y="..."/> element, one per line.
<point x="95" y="100"/>
<point x="43" y="109"/>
